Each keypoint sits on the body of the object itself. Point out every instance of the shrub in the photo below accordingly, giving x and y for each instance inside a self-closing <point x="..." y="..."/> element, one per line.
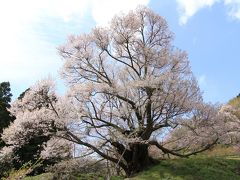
<point x="71" y="169"/>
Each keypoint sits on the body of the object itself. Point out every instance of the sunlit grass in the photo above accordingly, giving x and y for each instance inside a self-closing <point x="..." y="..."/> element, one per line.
<point x="195" y="168"/>
<point x="45" y="176"/>
<point x="220" y="163"/>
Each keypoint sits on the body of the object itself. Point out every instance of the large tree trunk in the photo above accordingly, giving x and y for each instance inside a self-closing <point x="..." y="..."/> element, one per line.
<point x="137" y="159"/>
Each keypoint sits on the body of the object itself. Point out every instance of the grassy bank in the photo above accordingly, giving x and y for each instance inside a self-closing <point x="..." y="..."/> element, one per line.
<point x="195" y="168"/>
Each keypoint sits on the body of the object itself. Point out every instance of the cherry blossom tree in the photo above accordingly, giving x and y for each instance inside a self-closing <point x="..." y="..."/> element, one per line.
<point x="129" y="89"/>
<point x="130" y="84"/>
<point x="28" y="138"/>
<point x="231" y="113"/>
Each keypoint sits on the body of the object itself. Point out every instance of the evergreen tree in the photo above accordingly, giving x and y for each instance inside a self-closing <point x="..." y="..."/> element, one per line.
<point x="5" y="116"/>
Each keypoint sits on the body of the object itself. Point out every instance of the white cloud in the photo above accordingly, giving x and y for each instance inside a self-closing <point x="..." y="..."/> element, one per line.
<point x="189" y="8"/>
<point x="104" y="10"/>
<point x="202" y="80"/>
<point x="26" y="53"/>
<point x="21" y="47"/>
<point x="233" y="8"/>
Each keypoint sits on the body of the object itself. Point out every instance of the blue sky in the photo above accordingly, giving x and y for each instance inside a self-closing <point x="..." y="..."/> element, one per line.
<point x="209" y="30"/>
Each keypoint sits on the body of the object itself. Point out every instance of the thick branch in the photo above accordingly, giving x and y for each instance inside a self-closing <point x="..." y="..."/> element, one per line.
<point x="168" y="151"/>
<point x="95" y="149"/>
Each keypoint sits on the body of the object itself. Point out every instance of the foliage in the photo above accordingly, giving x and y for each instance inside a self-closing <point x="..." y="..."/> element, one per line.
<point x="129" y="88"/>
<point x="232" y="120"/>
<point x="22" y="172"/>
<point x="33" y="143"/>
<point x="70" y="169"/>
<point x="235" y="104"/>
<point x="30" y="151"/>
<point x="5" y="119"/>
<point x="27" y="152"/>
<point x="5" y="116"/>
<point x="222" y="151"/>
<point x="5" y="166"/>
<point x="5" y="99"/>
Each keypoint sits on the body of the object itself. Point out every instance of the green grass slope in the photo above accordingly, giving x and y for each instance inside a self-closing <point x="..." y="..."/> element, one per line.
<point x="45" y="176"/>
<point x="195" y="168"/>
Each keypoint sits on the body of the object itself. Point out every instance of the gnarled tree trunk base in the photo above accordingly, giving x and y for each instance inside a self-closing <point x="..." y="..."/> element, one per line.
<point x="139" y="159"/>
